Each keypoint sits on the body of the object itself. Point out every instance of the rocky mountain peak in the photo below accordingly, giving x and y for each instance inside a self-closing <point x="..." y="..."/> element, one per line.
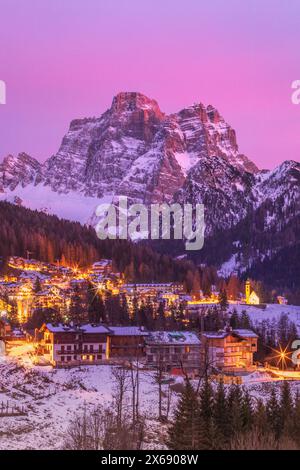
<point x="129" y="102"/>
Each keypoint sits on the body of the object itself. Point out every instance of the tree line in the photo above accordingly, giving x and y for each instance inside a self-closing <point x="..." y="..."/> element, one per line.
<point x="233" y="419"/>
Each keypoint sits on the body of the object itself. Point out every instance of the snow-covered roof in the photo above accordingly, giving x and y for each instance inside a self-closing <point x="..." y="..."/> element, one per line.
<point x="215" y="334"/>
<point x="174" y="337"/>
<point x="102" y="263"/>
<point x="94" y="328"/>
<point x="245" y="333"/>
<point x="223" y="333"/>
<point x="88" y="328"/>
<point x="128" y="331"/>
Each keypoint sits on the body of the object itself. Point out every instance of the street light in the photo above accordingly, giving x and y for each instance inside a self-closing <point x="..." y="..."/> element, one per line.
<point x="282" y="356"/>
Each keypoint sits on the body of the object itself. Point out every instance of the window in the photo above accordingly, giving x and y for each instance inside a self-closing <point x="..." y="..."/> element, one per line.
<point x="99" y="356"/>
<point x="69" y="358"/>
<point x="62" y="358"/>
<point x="177" y="349"/>
<point x="69" y="348"/>
<point x="62" y="349"/>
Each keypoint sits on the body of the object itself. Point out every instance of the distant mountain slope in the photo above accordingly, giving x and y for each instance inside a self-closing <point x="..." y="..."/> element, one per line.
<point x="135" y="149"/>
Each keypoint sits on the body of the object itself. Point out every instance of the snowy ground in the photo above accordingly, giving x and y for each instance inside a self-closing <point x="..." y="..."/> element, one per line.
<point x="272" y="311"/>
<point x="50" y="398"/>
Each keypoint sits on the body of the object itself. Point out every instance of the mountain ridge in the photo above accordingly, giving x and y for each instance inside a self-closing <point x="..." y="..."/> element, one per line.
<point x="136" y="150"/>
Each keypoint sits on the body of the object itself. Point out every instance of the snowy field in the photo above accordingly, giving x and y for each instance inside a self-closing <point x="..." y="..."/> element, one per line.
<point x="50" y="398"/>
<point x="272" y="311"/>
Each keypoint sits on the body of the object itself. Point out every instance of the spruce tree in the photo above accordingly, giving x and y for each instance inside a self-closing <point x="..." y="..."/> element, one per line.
<point x="273" y="414"/>
<point x="247" y="411"/>
<point x="223" y="299"/>
<point x="260" y="418"/>
<point x="205" y="416"/>
<point x="296" y="419"/>
<point x="235" y="410"/>
<point x="221" y="418"/>
<point x="183" y="433"/>
<point x="286" y="407"/>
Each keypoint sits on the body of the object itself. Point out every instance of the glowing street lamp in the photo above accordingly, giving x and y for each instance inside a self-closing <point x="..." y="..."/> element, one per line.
<point x="282" y="356"/>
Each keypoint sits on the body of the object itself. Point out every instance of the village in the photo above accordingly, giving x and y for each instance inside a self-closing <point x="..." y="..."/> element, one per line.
<point x="70" y="337"/>
<point x="60" y="311"/>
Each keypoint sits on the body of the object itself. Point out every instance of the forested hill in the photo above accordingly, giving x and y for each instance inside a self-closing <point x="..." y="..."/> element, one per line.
<point x="49" y="238"/>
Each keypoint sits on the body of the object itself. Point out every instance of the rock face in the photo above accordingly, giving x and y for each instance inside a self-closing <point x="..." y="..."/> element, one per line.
<point x="133" y="149"/>
<point x="22" y="170"/>
<point x="136" y="150"/>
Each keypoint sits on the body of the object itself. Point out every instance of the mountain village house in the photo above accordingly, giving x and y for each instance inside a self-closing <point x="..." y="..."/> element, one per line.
<point x="126" y="342"/>
<point x="173" y="350"/>
<point x="229" y="350"/>
<point x="71" y="346"/>
<point x="64" y="345"/>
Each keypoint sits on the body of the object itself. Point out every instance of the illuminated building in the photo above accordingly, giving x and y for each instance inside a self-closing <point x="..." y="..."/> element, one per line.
<point x="228" y="349"/>
<point x="72" y="346"/>
<point x="251" y="296"/>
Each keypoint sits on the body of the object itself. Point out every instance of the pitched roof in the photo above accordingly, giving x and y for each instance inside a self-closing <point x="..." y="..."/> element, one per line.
<point x="88" y="328"/>
<point x="173" y="337"/>
<point x="127" y="331"/>
<point x="224" y="333"/>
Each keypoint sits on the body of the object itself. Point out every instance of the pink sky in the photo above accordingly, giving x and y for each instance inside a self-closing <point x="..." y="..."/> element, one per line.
<point x="63" y="59"/>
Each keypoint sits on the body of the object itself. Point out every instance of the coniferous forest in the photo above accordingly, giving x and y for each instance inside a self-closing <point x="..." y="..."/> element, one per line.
<point x="47" y="238"/>
<point x="233" y="419"/>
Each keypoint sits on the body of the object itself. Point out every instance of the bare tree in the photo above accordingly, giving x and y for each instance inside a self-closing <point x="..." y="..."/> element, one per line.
<point x="159" y="370"/>
<point x="134" y="365"/>
<point x="101" y="430"/>
<point x="120" y="377"/>
<point x="169" y="401"/>
<point x="86" y="431"/>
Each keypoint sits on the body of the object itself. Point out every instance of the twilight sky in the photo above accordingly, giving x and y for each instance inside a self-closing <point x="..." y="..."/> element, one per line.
<point x="63" y="59"/>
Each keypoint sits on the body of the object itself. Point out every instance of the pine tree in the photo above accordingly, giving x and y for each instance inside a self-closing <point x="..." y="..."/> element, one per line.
<point x="76" y="312"/>
<point x="296" y="419"/>
<point x="161" y="320"/>
<point x="233" y="288"/>
<point x="205" y="416"/>
<point x="245" y="321"/>
<point x="183" y="433"/>
<point x="96" y="312"/>
<point x="247" y="411"/>
<point x="234" y="320"/>
<point x="221" y="418"/>
<point x="286" y="407"/>
<point x="124" y="314"/>
<point x="235" y="410"/>
<point x="223" y="299"/>
<point x="273" y="414"/>
<point x="260" y="418"/>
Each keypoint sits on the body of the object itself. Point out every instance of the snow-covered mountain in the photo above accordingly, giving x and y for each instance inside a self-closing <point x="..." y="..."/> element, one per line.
<point x="135" y="149"/>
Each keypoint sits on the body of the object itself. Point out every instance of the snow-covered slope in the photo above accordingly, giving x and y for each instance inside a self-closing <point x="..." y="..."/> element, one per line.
<point x="133" y="149"/>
